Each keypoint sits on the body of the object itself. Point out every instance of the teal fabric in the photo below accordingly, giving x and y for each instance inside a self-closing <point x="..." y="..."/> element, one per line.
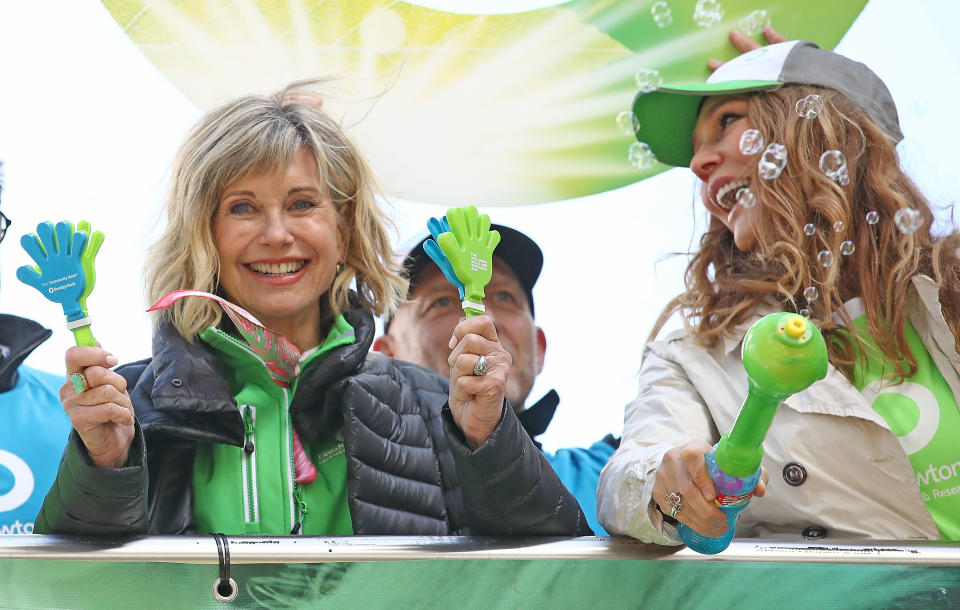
<point x="32" y="437"/>
<point x="579" y="470"/>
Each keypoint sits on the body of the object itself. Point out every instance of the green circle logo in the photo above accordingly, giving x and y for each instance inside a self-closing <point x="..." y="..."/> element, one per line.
<point x="910" y="409"/>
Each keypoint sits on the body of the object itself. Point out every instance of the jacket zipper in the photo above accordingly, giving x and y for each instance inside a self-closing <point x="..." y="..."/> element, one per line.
<point x="301" y="508"/>
<point x="297" y="506"/>
<point x="251" y="509"/>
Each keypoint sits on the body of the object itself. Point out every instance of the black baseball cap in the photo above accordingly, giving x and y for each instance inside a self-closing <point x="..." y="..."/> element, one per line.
<point x="521" y="253"/>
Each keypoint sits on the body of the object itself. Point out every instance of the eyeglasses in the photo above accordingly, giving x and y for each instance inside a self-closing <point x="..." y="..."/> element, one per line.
<point x="4" y="223"/>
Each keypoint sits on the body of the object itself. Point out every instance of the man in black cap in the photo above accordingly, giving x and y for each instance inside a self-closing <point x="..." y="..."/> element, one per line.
<point x="421" y="329"/>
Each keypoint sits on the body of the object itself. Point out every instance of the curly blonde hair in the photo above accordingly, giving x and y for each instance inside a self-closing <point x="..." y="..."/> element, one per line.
<point x="260" y="134"/>
<point x="724" y="284"/>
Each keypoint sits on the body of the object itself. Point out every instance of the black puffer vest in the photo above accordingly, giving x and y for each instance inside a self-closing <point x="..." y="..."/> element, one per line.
<point x="390" y="413"/>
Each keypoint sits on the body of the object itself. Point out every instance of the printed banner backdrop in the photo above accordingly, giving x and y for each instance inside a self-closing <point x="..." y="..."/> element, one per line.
<point x="506" y="109"/>
<point x="482" y="584"/>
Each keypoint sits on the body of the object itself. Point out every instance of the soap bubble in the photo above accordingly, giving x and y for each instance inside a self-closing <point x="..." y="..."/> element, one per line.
<point x="755" y="22"/>
<point x="908" y="220"/>
<point x="707" y="13"/>
<point x="648" y="79"/>
<point x="833" y="164"/>
<point x="627" y="122"/>
<point x="662" y="15"/>
<point x="847" y="248"/>
<point x="814" y="105"/>
<point x="838" y="226"/>
<point x="809" y="107"/>
<point x="804" y="312"/>
<point x="843" y="179"/>
<point x="751" y="142"/>
<point x="767" y="170"/>
<point x="640" y="156"/>
<point x="873" y="217"/>
<point x="810" y="293"/>
<point x="809" y="229"/>
<point x="746" y="198"/>
<point x="773" y="160"/>
<point x="775" y="153"/>
<point x="825" y="258"/>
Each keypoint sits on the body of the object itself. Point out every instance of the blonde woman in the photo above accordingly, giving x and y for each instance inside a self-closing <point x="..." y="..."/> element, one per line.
<point x="274" y="418"/>
<point x="870" y="451"/>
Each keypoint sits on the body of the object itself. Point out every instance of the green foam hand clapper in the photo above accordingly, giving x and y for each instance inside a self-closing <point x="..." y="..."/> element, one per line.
<point x="469" y="247"/>
<point x="783" y="354"/>
<point x="64" y="271"/>
<point x="87" y="259"/>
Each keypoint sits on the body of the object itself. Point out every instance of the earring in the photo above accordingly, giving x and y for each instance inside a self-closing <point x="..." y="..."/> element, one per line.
<point x="339" y="267"/>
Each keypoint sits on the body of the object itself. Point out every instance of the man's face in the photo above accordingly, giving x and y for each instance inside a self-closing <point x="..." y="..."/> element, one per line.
<point x="422" y="327"/>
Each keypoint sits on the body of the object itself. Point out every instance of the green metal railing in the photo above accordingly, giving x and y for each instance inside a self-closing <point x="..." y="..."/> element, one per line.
<point x="473" y="572"/>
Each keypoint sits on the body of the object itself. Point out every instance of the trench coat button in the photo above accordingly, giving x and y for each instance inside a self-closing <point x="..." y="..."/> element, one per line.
<point x="794" y="474"/>
<point x="814" y="532"/>
<point x="177" y="383"/>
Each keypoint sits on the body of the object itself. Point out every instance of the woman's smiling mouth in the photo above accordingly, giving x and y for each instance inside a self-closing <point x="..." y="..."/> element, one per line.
<point x="278" y="269"/>
<point x="726" y="196"/>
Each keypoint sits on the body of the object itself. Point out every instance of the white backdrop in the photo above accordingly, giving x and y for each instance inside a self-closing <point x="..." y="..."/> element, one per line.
<point x="88" y="128"/>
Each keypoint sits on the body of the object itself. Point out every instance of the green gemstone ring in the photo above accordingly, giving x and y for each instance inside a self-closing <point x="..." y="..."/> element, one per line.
<point x="79" y="382"/>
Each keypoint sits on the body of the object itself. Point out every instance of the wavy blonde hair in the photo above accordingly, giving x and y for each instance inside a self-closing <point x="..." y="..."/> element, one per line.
<point x="724" y="284"/>
<point x="256" y="134"/>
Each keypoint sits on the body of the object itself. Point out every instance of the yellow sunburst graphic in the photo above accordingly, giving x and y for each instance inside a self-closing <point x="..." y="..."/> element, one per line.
<point x="502" y="109"/>
<point x="447" y="107"/>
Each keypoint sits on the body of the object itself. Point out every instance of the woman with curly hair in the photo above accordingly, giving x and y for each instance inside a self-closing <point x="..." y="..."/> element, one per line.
<point x="261" y="410"/>
<point x="825" y="223"/>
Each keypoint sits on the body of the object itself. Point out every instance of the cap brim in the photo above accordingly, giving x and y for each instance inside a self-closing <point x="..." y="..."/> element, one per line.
<point x="667" y="115"/>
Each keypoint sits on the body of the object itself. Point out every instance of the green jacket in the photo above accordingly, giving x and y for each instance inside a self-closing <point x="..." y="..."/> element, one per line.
<point x="251" y="489"/>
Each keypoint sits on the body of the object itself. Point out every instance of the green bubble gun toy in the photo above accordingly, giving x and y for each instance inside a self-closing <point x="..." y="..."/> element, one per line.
<point x="783" y="353"/>
<point x="64" y="272"/>
<point x="466" y="250"/>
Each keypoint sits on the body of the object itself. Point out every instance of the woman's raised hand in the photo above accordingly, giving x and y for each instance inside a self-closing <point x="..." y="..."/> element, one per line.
<point x="745" y="44"/>
<point x="684" y="472"/>
<point x="102" y="414"/>
<point x="476" y="386"/>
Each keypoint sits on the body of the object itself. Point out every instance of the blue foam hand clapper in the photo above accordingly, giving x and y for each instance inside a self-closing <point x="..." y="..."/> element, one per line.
<point x="436" y="227"/>
<point x="59" y="271"/>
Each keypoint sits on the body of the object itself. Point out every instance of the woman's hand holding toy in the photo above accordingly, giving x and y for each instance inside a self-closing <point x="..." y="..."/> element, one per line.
<point x="102" y="414"/>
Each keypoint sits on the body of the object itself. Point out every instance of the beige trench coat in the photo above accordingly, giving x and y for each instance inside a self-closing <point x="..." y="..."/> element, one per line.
<point x="859" y="482"/>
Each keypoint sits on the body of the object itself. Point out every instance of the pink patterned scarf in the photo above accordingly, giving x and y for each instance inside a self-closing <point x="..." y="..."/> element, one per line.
<point x="281" y="358"/>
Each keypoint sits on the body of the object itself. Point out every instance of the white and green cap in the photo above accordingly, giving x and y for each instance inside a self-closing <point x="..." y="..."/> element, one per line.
<point x="667" y="115"/>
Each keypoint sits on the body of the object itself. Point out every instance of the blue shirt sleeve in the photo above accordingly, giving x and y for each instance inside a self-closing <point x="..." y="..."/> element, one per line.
<point x="579" y="470"/>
